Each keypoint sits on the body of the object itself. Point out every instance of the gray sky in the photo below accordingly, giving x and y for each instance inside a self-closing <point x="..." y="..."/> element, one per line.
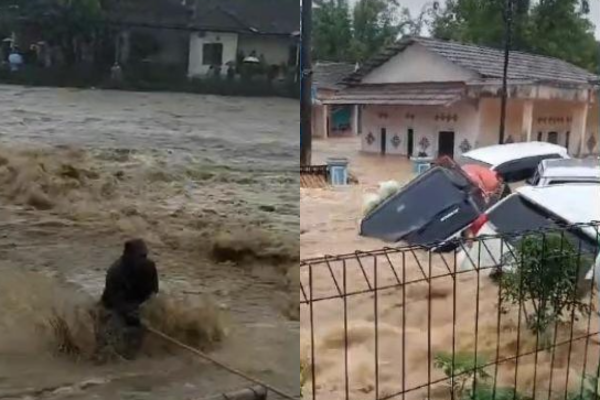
<point x="415" y="7"/>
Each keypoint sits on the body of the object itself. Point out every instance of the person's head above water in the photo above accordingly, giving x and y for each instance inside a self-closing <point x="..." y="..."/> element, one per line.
<point x="135" y="250"/>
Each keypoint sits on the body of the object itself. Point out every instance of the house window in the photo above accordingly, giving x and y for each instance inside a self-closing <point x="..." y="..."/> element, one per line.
<point x="212" y="54"/>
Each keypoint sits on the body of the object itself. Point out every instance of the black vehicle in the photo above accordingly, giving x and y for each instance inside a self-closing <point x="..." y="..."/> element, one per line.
<point x="429" y="210"/>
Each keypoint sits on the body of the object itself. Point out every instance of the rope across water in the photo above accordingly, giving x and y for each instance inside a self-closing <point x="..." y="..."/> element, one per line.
<point x="234" y="371"/>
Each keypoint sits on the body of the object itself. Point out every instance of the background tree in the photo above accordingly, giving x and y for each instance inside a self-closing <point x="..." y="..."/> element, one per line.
<point x="65" y="23"/>
<point x="376" y="23"/>
<point x="480" y="22"/>
<point x="560" y="29"/>
<point x="332" y="31"/>
<point x="342" y="33"/>
<point x="556" y="28"/>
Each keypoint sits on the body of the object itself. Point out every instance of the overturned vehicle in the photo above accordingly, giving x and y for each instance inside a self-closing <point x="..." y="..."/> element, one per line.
<point x="434" y="207"/>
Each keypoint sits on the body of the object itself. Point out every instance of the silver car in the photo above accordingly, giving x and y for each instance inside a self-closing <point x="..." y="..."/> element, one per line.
<point x="560" y="171"/>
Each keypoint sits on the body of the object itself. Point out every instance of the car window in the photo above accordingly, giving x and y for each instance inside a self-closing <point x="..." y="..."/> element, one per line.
<point x="536" y="177"/>
<point x="417" y="205"/>
<point x="563" y="181"/>
<point x="522" y="169"/>
<point x="516" y="214"/>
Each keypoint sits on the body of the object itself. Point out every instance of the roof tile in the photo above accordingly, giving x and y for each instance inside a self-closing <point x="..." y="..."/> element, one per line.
<point x="330" y="74"/>
<point x="278" y="17"/>
<point x="487" y="62"/>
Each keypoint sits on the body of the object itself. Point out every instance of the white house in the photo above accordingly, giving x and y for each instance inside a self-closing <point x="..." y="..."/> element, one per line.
<point x="433" y="97"/>
<point x="227" y="31"/>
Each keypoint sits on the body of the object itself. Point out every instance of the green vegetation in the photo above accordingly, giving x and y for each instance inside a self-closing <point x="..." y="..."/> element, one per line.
<point x="545" y="279"/>
<point x="462" y="370"/>
<point x="590" y="389"/>
<point x="556" y="28"/>
<point x="354" y="35"/>
<point x="469" y="381"/>
<point x="83" y="49"/>
<point x="157" y="79"/>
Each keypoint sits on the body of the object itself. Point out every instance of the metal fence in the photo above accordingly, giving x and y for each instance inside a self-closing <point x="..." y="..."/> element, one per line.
<point x="314" y="176"/>
<point x="314" y="169"/>
<point x="500" y="317"/>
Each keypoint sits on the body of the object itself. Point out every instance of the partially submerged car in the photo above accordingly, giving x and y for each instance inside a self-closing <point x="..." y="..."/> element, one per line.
<point x="532" y="209"/>
<point x="560" y="171"/>
<point x="432" y="208"/>
<point x="514" y="161"/>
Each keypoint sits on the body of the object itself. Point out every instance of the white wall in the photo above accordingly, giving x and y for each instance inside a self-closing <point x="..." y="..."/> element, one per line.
<point x="423" y="124"/>
<point x="318" y="122"/>
<point x="489" y="128"/>
<point x="479" y="124"/>
<point x="197" y="41"/>
<point x="417" y="64"/>
<point x="548" y="116"/>
<point x="276" y="49"/>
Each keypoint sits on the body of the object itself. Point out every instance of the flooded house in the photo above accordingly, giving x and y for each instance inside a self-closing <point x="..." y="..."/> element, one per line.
<point x="153" y="34"/>
<point x="332" y="120"/>
<point x="226" y="32"/>
<point x="426" y="97"/>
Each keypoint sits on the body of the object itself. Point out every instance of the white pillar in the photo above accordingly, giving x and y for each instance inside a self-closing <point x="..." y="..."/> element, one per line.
<point x="355" y="111"/>
<point x="579" y="126"/>
<point x="313" y="125"/>
<point x="325" y="120"/>
<point x="527" y="127"/>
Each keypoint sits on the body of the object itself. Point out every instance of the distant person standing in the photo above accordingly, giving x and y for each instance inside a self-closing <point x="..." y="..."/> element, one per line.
<point x="15" y="60"/>
<point x="5" y="47"/>
<point x="116" y="73"/>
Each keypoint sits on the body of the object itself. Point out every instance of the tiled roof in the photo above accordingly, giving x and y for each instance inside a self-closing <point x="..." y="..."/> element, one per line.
<point x="487" y="62"/>
<point x="278" y="17"/>
<point x="400" y="94"/>
<point x="154" y="13"/>
<point x="329" y="75"/>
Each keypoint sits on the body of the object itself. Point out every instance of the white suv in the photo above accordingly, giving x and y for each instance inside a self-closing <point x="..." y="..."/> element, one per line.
<point x="531" y="209"/>
<point x="560" y="171"/>
<point x="514" y="161"/>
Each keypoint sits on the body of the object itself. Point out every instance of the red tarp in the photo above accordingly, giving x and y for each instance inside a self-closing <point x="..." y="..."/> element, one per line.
<point x="483" y="177"/>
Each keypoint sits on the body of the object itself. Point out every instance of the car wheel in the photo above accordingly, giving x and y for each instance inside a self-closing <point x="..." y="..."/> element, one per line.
<point x="446" y="247"/>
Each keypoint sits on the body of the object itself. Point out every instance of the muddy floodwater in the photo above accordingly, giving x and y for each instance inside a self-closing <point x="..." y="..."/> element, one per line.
<point x="417" y="321"/>
<point x="211" y="183"/>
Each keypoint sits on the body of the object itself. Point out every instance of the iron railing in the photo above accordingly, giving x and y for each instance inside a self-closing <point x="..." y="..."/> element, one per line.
<point x="408" y="323"/>
<point x="314" y="169"/>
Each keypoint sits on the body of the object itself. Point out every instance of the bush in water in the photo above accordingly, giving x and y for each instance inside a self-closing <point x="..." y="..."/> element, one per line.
<point x="386" y="190"/>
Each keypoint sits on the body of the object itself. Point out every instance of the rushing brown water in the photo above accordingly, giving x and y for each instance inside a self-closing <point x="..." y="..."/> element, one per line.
<point x="210" y="183"/>
<point x="329" y="226"/>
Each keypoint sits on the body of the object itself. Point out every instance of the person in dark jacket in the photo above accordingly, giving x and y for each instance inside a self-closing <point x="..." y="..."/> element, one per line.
<point x="130" y="282"/>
